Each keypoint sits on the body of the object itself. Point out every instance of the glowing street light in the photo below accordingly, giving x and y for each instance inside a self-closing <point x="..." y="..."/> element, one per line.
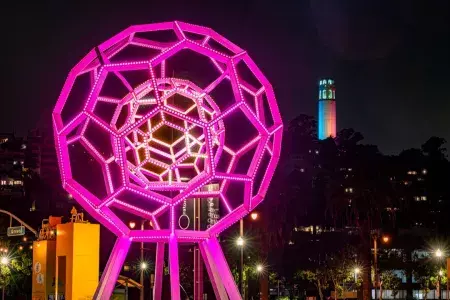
<point x="132" y="224"/>
<point x="356" y="271"/>
<point x="143" y="265"/>
<point x="4" y="260"/>
<point x="259" y="268"/>
<point x="254" y="216"/>
<point x="441" y="273"/>
<point x="240" y="241"/>
<point x="385" y="239"/>
<point x="438" y="253"/>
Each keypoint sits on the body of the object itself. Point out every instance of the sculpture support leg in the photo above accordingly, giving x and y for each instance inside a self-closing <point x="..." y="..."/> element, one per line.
<point x="113" y="267"/>
<point x="174" y="268"/>
<point x="159" y="268"/>
<point x="222" y="268"/>
<point x="211" y="267"/>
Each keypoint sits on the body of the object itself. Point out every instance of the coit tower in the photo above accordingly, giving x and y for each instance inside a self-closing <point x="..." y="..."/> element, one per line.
<point x="327" y="109"/>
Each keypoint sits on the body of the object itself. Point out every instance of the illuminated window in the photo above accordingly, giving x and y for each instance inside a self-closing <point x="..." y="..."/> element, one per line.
<point x="3" y="182"/>
<point x="18" y="182"/>
<point x="417" y="198"/>
<point x="324" y="94"/>
<point x="330" y="94"/>
<point x="412" y="173"/>
<point x="423" y="198"/>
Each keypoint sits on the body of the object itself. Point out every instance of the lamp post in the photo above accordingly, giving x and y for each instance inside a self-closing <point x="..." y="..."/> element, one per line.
<point x="356" y="271"/>
<point x="143" y="265"/>
<point x="385" y="239"/>
<point x="4" y="261"/>
<point x="440" y="273"/>
<point x="240" y="243"/>
<point x="259" y="271"/>
<point x="439" y="254"/>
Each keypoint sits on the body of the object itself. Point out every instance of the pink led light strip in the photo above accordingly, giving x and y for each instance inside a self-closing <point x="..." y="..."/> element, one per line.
<point x="160" y="171"/>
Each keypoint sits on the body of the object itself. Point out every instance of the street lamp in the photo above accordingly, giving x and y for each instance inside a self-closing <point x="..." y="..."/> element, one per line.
<point x="4" y="260"/>
<point x="439" y="254"/>
<point x="240" y="243"/>
<point x="132" y="224"/>
<point x="356" y="271"/>
<point x="143" y="266"/>
<point x="440" y="273"/>
<point x="259" y="268"/>
<point x="254" y="216"/>
<point x="385" y="239"/>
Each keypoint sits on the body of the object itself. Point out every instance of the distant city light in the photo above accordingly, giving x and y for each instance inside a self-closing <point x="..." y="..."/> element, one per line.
<point x="240" y="241"/>
<point x="143" y="265"/>
<point x="438" y="253"/>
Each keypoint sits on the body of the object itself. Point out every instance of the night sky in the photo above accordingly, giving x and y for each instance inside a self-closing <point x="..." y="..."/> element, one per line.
<point x="390" y="59"/>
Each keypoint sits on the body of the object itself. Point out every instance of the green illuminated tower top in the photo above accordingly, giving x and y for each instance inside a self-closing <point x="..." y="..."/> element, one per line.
<point x="327" y="89"/>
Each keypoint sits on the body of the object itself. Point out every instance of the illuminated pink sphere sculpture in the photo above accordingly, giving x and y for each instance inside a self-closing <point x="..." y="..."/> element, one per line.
<point x="158" y="114"/>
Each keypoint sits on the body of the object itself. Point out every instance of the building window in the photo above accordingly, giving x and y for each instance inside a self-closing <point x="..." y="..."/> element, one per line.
<point x="420" y="198"/>
<point x="3" y="182"/>
<point x="18" y="182"/>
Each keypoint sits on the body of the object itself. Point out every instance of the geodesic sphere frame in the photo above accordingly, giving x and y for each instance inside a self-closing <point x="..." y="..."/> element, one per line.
<point x="159" y="136"/>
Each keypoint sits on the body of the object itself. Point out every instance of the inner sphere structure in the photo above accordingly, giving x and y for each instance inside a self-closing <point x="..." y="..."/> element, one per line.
<point x="158" y="114"/>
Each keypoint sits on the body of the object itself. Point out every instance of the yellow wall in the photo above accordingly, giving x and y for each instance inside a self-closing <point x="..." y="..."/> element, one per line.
<point x="80" y="244"/>
<point x="448" y="271"/>
<point x="43" y="269"/>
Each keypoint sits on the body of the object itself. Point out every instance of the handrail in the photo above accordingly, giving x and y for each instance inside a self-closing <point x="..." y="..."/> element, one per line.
<point x="20" y="221"/>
